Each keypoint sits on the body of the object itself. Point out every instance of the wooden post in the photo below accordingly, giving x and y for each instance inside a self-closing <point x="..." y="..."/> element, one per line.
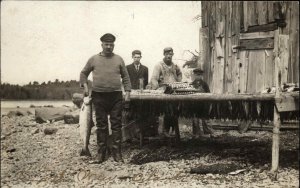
<point x="281" y="57"/>
<point x="276" y="118"/>
<point x="275" y="141"/>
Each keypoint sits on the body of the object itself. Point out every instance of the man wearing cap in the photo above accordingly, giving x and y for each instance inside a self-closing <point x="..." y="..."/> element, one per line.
<point x="137" y="71"/>
<point x="166" y="72"/>
<point x="198" y="81"/>
<point x="106" y="94"/>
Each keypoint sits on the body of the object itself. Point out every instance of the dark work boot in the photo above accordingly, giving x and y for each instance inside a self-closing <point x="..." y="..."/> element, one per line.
<point x="116" y="146"/>
<point x="176" y="128"/>
<point x="166" y="132"/>
<point x="101" y="145"/>
<point x="166" y="127"/>
<point x="207" y="129"/>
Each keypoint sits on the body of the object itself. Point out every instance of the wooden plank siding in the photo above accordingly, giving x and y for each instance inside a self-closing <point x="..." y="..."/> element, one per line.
<point x="284" y="57"/>
<point x="251" y="77"/>
<point x="205" y="53"/>
<point x="251" y="13"/>
<point x="257" y="35"/>
<point x="223" y="7"/>
<point x="262" y="12"/>
<point x="238" y="22"/>
<point x="257" y="44"/>
<point x="270" y="11"/>
<point x="288" y="14"/>
<point x="230" y="25"/>
<point x="269" y="69"/>
<point x="204" y="11"/>
<point x="260" y="71"/>
<point x="245" y="16"/>
<point x="235" y="74"/>
<point x="212" y="21"/>
<point x="242" y="68"/>
<point x="294" y="43"/>
<point x="228" y="64"/>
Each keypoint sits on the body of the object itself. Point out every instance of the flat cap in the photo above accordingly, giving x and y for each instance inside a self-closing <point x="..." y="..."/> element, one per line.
<point x="198" y="71"/>
<point x="168" y="49"/>
<point x="108" y="38"/>
<point x="136" y="52"/>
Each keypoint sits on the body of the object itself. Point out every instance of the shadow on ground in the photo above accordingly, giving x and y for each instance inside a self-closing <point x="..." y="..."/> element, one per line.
<point x="245" y="150"/>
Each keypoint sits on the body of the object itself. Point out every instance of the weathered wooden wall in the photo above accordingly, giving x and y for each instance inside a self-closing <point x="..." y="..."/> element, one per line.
<point x="238" y="41"/>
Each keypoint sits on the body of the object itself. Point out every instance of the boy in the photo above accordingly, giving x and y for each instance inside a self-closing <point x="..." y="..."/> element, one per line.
<point x="201" y="85"/>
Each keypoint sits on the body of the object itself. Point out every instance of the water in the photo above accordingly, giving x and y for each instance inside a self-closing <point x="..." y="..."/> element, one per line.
<point x="7" y="106"/>
<point x="27" y="103"/>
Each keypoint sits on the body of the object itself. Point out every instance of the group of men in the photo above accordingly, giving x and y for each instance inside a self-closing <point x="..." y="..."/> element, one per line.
<point x="106" y="92"/>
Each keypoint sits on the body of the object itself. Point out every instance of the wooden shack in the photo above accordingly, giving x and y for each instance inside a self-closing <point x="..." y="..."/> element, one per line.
<point x="241" y="40"/>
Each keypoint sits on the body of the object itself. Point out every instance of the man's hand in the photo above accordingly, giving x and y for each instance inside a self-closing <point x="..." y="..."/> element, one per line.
<point x="127" y="96"/>
<point x="86" y="90"/>
<point x="127" y="100"/>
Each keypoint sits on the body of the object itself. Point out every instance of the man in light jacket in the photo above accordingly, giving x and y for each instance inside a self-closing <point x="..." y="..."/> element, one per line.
<point x="166" y="72"/>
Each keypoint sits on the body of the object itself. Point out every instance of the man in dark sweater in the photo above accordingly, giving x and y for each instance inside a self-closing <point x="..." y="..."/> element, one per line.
<point x="108" y="69"/>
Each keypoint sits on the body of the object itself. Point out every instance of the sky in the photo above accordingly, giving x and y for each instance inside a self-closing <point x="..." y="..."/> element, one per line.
<point x="47" y="40"/>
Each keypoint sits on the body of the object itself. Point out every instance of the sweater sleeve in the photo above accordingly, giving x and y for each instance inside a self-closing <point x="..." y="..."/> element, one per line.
<point x="125" y="77"/>
<point x="155" y="77"/>
<point x="85" y="72"/>
<point x="179" y="74"/>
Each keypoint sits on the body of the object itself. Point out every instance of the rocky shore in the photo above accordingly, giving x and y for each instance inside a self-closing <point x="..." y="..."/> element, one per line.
<point x="30" y="157"/>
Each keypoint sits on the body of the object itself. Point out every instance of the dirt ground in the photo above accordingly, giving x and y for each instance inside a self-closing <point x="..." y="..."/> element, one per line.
<point x="29" y="158"/>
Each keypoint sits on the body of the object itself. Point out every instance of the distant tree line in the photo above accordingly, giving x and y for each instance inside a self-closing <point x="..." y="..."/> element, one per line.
<point x="57" y="90"/>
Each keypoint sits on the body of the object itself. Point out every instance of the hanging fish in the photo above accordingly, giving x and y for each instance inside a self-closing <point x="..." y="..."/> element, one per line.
<point x="246" y="108"/>
<point x="258" y="108"/>
<point x="86" y="123"/>
<point x="229" y="107"/>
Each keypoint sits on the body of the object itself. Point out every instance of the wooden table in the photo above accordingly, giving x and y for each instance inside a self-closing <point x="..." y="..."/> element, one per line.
<point x="280" y="103"/>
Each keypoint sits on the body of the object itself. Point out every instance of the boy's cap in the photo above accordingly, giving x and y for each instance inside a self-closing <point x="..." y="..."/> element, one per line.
<point x="168" y="49"/>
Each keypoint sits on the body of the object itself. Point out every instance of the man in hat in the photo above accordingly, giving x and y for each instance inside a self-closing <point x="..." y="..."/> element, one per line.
<point x="106" y="95"/>
<point x="166" y="72"/>
<point x="198" y="81"/>
<point x="203" y="87"/>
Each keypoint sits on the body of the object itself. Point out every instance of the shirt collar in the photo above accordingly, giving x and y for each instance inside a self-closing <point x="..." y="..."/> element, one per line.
<point x="164" y="64"/>
<point x="103" y="55"/>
